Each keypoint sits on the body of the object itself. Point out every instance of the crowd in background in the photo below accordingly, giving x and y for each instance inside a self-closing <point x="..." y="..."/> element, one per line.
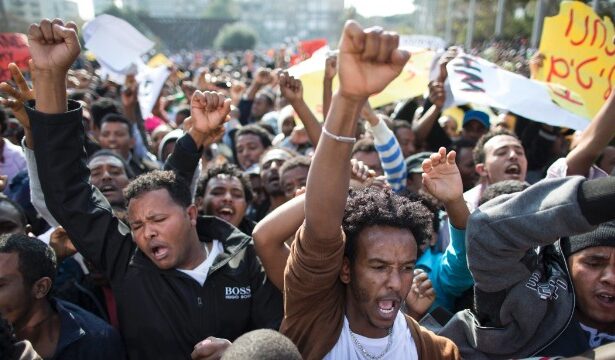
<point x="116" y="275"/>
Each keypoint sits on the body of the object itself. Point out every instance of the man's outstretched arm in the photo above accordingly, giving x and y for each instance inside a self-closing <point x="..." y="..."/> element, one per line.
<point x="58" y="139"/>
<point x="368" y="60"/>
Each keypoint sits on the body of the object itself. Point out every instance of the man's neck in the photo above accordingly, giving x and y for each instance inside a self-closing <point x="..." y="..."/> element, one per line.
<point x="197" y="252"/>
<point x="42" y="329"/>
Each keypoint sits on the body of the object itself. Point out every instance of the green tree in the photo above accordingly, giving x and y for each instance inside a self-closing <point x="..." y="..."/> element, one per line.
<point x="221" y="9"/>
<point x="236" y="37"/>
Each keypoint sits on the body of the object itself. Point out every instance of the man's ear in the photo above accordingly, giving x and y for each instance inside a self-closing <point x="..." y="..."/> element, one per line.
<point x="480" y="169"/>
<point x="41" y="288"/>
<point x="193" y="214"/>
<point x="345" y="271"/>
<point x="198" y="202"/>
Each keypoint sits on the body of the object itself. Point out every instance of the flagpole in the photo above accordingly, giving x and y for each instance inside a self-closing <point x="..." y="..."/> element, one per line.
<point x="499" y="20"/>
<point x="470" y="33"/>
<point x="538" y="19"/>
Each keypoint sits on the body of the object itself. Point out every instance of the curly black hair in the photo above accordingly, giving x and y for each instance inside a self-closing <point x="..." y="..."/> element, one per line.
<point x="431" y="203"/>
<point x="225" y="169"/>
<point x="372" y="207"/>
<point x="36" y="259"/>
<point x="478" y="154"/>
<point x="257" y="130"/>
<point x="296" y="161"/>
<point x="156" y="180"/>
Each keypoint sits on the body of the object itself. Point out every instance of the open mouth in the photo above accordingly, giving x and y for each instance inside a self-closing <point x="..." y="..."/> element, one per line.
<point x="387" y="307"/>
<point x="160" y="252"/>
<point x="225" y="213"/>
<point x="607" y="299"/>
<point x="514" y="170"/>
<point x="107" y="189"/>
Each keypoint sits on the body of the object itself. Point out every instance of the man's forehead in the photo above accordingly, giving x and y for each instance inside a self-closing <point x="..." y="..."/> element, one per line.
<point x="223" y="180"/>
<point x="9" y="264"/>
<point x="105" y="160"/>
<point x="275" y="154"/>
<point x="500" y="141"/>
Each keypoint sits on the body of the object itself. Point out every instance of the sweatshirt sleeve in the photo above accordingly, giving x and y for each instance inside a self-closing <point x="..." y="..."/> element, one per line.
<point x="390" y="155"/>
<point x="78" y="206"/>
<point x="502" y="230"/>
<point x="36" y="192"/>
<point x="184" y="160"/>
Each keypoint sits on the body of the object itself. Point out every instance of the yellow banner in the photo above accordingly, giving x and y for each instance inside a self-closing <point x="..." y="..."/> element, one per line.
<point x="411" y="82"/>
<point x="579" y="52"/>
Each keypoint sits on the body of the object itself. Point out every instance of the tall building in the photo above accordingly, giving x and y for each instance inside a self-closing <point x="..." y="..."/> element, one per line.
<point x="35" y="10"/>
<point x="101" y="5"/>
<point x="167" y="8"/>
<point x="277" y="20"/>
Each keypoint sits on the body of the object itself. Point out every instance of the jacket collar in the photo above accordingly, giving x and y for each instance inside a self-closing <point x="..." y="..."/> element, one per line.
<point x="70" y="328"/>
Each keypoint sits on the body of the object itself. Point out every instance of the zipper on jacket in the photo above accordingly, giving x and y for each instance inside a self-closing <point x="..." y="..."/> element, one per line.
<point x="561" y="255"/>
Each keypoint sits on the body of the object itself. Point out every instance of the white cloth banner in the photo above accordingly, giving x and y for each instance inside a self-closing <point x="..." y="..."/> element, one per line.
<point x="151" y="81"/>
<point x="475" y="80"/>
<point x="421" y="42"/>
<point x="115" y="42"/>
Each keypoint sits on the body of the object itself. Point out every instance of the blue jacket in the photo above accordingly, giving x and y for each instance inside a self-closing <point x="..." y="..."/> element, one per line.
<point x="448" y="271"/>
<point x="85" y="336"/>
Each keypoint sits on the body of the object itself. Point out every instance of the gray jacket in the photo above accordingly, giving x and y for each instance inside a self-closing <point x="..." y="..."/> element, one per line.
<point x="523" y="294"/>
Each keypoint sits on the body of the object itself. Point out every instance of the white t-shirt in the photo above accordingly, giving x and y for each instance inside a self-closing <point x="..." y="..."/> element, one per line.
<point x="200" y="272"/>
<point x="402" y="346"/>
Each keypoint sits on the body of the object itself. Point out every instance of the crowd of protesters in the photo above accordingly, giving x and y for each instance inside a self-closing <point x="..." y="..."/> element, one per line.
<point x="230" y="223"/>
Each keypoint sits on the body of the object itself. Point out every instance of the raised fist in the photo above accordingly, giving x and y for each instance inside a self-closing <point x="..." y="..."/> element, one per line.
<point x="54" y="46"/>
<point x="368" y="60"/>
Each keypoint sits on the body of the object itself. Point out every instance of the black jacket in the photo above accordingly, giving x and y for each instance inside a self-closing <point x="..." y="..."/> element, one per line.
<point x="162" y="313"/>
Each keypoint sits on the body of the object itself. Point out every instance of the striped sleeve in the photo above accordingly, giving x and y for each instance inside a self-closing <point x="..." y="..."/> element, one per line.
<point x="391" y="157"/>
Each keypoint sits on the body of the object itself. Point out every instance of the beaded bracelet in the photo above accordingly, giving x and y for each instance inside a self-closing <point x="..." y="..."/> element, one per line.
<point x="344" y="139"/>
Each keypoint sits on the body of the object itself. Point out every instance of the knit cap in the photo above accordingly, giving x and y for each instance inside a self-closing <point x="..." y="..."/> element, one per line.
<point x="604" y="235"/>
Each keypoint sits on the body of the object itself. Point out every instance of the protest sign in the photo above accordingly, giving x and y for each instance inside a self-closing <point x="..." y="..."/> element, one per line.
<point x="115" y="42"/>
<point x="151" y="81"/>
<point x="578" y="51"/>
<point x="410" y="83"/>
<point x="13" y="49"/>
<point x="475" y="80"/>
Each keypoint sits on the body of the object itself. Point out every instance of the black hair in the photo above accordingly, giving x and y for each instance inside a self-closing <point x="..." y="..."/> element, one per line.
<point x="478" y="154"/>
<point x="225" y="169"/>
<point x="268" y="95"/>
<point x="106" y="152"/>
<point x="22" y="214"/>
<point x="36" y="259"/>
<point x="257" y="130"/>
<point x="400" y="124"/>
<point x="184" y="110"/>
<point x="295" y="161"/>
<point x="116" y="118"/>
<point x="371" y="207"/>
<point x="262" y="344"/>
<point x="431" y="203"/>
<point x="365" y="145"/>
<point x="102" y="107"/>
<point x="157" y="180"/>
<point x="502" y="187"/>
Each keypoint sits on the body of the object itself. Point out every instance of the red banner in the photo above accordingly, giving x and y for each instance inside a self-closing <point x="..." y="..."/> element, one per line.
<point x="13" y="48"/>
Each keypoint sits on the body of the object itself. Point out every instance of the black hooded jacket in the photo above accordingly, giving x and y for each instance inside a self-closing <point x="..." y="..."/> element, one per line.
<point x="162" y="313"/>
